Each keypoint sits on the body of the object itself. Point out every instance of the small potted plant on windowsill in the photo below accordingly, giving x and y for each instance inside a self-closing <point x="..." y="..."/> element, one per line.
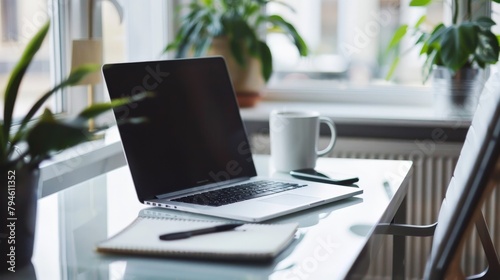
<point x="25" y="145"/>
<point x="456" y="55"/>
<point x="231" y="28"/>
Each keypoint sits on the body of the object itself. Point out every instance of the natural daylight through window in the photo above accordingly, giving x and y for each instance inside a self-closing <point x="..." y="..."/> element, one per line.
<point x="20" y="20"/>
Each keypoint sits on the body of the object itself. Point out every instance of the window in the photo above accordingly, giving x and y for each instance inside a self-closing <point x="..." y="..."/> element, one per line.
<point x="113" y="33"/>
<point x="70" y="21"/>
<point x="347" y="40"/>
<point x="21" y="19"/>
<point x="132" y="31"/>
<point x="10" y="28"/>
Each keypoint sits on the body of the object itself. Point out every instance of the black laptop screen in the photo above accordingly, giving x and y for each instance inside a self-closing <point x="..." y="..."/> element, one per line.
<point x="194" y="134"/>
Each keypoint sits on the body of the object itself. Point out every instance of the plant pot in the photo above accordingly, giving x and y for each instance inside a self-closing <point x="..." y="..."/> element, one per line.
<point x="247" y="80"/>
<point x="18" y="197"/>
<point x="456" y="95"/>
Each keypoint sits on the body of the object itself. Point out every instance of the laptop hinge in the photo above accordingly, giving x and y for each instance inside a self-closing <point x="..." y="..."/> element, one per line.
<point x="201" y="188"/>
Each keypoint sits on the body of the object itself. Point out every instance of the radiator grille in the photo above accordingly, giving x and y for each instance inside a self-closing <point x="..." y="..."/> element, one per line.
<point x="433" y="168"/>
<point x="426" y="191"/>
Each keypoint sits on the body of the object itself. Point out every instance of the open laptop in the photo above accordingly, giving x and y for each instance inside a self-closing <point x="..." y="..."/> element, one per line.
<point x="193" y="149"/>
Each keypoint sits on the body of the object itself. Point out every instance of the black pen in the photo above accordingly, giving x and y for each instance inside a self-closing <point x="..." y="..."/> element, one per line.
<point x="189" y="233"/>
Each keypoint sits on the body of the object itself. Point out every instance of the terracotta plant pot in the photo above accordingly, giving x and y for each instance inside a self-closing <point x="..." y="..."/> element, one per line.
<point x="247" y="80"/>
<point x="18" y="197"/>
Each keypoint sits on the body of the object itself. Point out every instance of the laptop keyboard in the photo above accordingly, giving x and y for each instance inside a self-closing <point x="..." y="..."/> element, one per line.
<point x="238" y="193"/>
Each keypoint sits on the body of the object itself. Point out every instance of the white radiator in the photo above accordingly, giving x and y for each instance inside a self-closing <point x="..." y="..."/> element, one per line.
<point x="433" y="167"/>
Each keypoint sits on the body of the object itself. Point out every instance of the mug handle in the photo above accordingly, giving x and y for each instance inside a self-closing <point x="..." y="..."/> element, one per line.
<point x="333" y="138"/>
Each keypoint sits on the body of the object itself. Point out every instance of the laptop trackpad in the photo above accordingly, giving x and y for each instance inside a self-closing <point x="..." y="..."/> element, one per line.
<point x="290" y="199"/>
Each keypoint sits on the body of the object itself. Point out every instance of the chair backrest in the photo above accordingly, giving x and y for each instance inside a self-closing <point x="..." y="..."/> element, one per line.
<point x="475" y="168"/>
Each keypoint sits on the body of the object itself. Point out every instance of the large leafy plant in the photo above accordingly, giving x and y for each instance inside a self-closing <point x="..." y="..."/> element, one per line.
<point x="467" y="42"/>
<point x="27" y="144"/>
<point x="238" y="20"/>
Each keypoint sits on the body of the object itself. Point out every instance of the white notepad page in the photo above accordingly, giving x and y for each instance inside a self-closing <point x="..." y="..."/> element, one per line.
<point x="249" y="241"/>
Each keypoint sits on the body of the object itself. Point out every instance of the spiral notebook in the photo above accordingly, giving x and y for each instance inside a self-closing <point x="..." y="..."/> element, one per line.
<point x="249" y="242"/>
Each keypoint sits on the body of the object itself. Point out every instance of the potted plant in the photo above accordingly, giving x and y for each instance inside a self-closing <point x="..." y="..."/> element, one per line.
<point x="456" y="54"/>
<point x="25" y="145"/>
<point x="231" y="28"/>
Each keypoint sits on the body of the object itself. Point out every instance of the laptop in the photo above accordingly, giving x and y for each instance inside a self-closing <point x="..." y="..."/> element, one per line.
<point x="193" y="153"/>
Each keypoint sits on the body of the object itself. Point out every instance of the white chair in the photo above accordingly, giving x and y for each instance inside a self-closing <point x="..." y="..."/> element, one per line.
<point x="475" y="176"/>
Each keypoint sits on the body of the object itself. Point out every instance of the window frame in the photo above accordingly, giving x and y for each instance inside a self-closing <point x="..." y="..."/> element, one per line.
<point x="156" y="38"/>
<point x="58" y="51"/>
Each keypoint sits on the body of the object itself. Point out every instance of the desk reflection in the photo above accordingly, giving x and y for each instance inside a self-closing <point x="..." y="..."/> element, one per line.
<point x="329" y="239"/>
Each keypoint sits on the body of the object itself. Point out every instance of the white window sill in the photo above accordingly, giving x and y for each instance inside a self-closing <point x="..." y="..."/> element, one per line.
<point x="349" y="113"/>
<point x="91" y="159"/>
<point x="81" y="163"/>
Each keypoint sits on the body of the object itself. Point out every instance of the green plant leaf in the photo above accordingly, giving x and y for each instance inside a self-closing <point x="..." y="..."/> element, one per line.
<point x="237" y="52"/>
<point x="196" y="35"/>
<point x="100" y="108"/>
<point x="393" y="67"/>
<point x="488" y="48"/>
<point x="95" y="130"/>
<point x="172" y="46"/>
<point x="418" y="3"/>
<point x="238" y="20"/>
<point x="480" y="63"/>
<point x="136" y="120"/>
<point x="190" y="31"/>
<point x="14" y="82"/>
<point x="429" y="64"/>
<point x="420" y="21"/>
<point x="215" y="27"/>
<point x="201" y="46"/>
<point x="252" y="9"/>
<point x="423" y="37"/>
<point x="266" y="60"/>
<point x="73" y="78"/>
<point x="398" y="36"/>
<point x="180" y="41"/>
<point x="496" y="1"/>
<point x="289" y="29"/>
<point x="485" y="22"/>
<point x="208" y="27"/>
<point x="240" y="31"/>
<point x="79" y="73"/>
<point x="433" y="41"/>
<point x="457" y="44"/>
<point x="49" y="135"/>
<point x="236" y="31"/>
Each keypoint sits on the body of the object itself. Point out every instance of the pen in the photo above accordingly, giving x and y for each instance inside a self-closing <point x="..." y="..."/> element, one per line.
<point x="189" y="233"/>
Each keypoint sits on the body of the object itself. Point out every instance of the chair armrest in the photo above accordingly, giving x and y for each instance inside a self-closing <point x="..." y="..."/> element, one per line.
<point x="406" y="230"/>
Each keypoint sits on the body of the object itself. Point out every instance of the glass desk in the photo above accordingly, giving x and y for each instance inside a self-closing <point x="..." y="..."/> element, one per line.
<point x="331" y="242"/>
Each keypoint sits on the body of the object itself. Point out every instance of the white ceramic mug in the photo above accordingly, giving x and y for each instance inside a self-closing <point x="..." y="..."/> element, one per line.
<point x="294" y="139"/>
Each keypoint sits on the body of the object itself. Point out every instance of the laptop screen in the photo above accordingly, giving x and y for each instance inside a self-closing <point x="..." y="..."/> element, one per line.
<point x="194" y="134"/>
